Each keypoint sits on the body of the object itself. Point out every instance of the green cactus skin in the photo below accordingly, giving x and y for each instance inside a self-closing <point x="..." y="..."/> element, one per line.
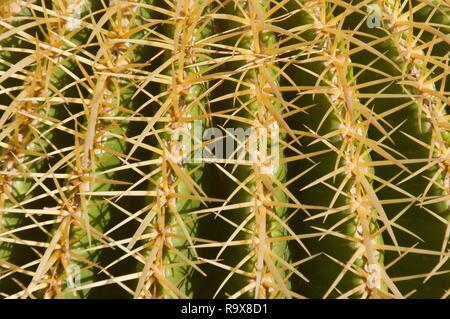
<point x="60" y="77"/>
<point x="342" y="237"/>
<point x="11" y="53"/>
<point x="179" y="172"/>
<point x="105" y="105"/>
<point x="425" y="232"/>
<point x="253" y="252"/>
<point x="8" y="58"/>
<point x="36" y="138"/>
<point x="109" y="146"/>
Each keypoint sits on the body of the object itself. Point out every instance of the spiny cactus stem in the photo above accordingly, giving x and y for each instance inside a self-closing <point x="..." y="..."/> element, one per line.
<point x="352" y="152"/>
<point x="75" y="227"/>
<point x="430" y="100"/>
<point x="58" y="254"/>
<point x="396" y="50"/>
<point x="9" y="8"/>
<point x="25" y="144"/>
<point x="97" y="196"/>
<point x="101" y="146"/>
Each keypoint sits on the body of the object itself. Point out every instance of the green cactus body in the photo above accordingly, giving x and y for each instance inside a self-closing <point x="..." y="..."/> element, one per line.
<point x="13" y="48"/>
<point x="345" y="261"/>
<point x="426" y="85"/>
<point x="9" y="221"/>
<point x="176" y="180"/>
<point x="57" y="255"/>
<point x="254" y="253"/>
<point x="34" y="132"/>
<point x="411" y="109"/>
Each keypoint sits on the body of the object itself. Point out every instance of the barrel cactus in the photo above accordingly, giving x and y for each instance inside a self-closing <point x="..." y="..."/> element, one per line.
<point x="224" y="149"/>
